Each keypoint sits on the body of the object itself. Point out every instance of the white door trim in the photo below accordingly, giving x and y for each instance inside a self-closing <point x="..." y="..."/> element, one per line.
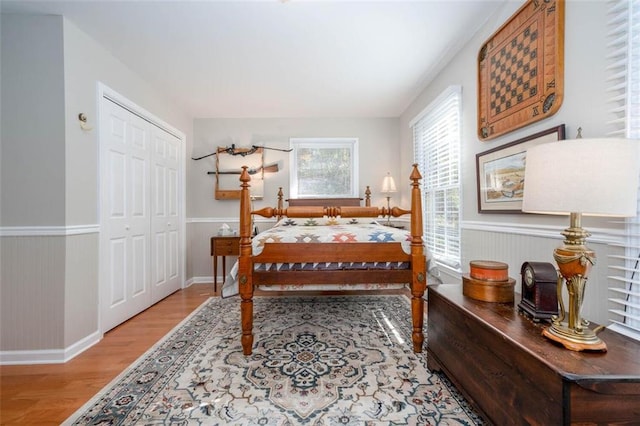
<point x="105" y="92"/>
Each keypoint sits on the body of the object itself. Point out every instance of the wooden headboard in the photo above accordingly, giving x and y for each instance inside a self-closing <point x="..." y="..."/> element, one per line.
<point x="320" y="207"/>
<point x="323" y="202"/>
<point x="320" y="202"/>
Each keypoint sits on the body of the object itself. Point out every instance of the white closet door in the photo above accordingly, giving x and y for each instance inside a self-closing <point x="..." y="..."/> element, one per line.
<point x="165" y="265"/>
<point x="125" y="221"/>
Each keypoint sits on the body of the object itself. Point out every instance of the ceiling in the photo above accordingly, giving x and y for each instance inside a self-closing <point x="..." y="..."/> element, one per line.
<point x="278" y="58"/>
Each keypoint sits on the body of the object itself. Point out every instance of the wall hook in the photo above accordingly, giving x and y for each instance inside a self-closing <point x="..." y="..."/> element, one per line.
<point x="82" y="118"/>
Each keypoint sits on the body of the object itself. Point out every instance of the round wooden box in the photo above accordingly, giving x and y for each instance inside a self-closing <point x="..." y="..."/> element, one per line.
<point x="488" y="270"/>
<point x="488" y="291"/>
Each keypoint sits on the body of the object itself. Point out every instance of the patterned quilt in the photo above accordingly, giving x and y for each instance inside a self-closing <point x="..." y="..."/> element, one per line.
<point x="325" y="230"/>
<point x="330" y="230"/>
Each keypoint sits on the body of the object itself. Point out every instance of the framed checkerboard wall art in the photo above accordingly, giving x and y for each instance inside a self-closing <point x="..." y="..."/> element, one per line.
<point x="500" y="172"/>
<point x="521" y="69"/>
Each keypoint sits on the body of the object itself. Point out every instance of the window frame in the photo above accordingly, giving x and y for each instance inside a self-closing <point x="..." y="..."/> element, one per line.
<point x="350" y="143"/>
<point x="441" y="226"/>
<point x="624" y="109"/>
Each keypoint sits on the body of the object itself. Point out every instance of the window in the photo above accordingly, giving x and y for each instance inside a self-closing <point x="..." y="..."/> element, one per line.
<point x="624" y="66"/>
<point x="436" y="144"/>
<point x="324" y="167"/>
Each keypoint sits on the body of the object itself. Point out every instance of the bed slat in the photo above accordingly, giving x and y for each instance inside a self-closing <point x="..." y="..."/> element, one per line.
<point x="331" y="277"/>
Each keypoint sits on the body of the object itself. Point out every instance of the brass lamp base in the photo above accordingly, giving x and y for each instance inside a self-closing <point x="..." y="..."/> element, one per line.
<point x="570" y="339"/>
<point x="574" y="261"/>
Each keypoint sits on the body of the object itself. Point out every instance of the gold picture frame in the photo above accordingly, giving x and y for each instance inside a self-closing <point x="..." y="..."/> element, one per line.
<point x="521" y="69"/>
<point x="500" y="172"/>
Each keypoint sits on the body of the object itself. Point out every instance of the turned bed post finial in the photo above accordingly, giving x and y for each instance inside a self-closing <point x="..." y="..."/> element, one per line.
<point x="415" y="173"/>
<point x="245" y="204"/>
<point x="416" y="205"/>
<point x="280" y="202"/>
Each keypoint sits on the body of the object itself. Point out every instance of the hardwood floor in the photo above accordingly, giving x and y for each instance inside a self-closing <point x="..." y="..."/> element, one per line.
<point x="48" y="394"/>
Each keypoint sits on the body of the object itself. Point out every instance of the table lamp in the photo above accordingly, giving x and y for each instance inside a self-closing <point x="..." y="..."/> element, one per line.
<point x="591" y="177"/>
<point x="388" y="187"/>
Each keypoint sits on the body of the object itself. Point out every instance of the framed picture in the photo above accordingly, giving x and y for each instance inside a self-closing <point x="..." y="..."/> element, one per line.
<point x="500" y="172"/>
<point x="521" y="69"/>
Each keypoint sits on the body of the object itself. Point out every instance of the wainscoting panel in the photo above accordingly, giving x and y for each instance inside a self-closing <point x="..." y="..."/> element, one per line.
<point x="81" y="288"/>
<point x="516" y="248"/>
<point x="32" y="299"/>
<point x="49" y="294"/>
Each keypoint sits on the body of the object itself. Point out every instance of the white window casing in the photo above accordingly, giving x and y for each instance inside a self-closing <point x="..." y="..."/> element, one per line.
<point x="436" y="140"/>
<point x="624" y="108"/>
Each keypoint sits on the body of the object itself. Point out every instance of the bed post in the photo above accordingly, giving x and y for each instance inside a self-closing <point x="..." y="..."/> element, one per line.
<point x="280" y="202"/>
<point x="418" y="262"/>
<point x="245" y="268"/>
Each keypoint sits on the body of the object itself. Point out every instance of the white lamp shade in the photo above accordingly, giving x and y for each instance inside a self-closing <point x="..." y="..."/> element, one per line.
<point x="595" y="177"/>
<point x="388" y="184"/>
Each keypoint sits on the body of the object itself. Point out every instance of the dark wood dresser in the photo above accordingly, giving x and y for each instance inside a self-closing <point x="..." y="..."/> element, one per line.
<point x="499" y="360"/>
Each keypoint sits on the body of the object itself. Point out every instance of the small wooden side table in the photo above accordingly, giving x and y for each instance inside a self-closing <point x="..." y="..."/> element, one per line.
<point x="223" y="246"/>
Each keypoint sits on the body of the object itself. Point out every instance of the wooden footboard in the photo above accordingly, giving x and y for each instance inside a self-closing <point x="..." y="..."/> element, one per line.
<point x="318" y="252"/>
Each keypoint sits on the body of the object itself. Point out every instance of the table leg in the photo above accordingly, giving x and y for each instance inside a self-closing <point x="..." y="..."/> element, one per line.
<point x="215" y="273"/>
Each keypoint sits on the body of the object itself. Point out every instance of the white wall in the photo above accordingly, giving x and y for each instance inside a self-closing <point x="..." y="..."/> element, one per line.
<point x="33" y="137"/>
<point x="514" y="238"/>
<point x="50" y="194"/>
<point x="378" y="153"/>
<point x="87" y="63"/>
<point x="378" y="143"/>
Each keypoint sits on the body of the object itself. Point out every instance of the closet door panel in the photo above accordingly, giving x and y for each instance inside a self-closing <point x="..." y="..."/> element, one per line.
<point x="165" y="225"/>
<point x="125" y="222"/>
<point x="140" y="187"/>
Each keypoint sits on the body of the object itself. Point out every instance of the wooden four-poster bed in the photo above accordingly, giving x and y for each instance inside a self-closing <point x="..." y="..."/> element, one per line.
<point x="334" y="258"/>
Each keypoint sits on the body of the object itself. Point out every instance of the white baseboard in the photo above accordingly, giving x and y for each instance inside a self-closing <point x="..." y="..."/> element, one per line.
<point x="49" y="356"/>
<point x="201" y="280"/>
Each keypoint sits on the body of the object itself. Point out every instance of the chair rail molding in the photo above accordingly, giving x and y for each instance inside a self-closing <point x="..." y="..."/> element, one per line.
<point x="598" y="235"/>
<point x="48" y="231"/>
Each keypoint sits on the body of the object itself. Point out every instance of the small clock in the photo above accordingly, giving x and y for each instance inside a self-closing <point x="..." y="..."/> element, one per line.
<point x="539" y="290"/>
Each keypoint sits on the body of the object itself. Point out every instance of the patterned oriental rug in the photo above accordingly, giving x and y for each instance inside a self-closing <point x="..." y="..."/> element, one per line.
<point x="333" y="360"/>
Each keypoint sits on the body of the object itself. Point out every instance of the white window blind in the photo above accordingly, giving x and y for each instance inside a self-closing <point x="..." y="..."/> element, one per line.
<point x="624" y="85"/>
<point x="436" y="141"/>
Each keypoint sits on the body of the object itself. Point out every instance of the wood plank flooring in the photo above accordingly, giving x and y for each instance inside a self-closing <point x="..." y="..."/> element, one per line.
<point x="48" y="394"/>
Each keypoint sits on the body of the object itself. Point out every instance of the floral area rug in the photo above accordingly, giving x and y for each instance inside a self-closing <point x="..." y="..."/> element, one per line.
<point x="339" y="360"/>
